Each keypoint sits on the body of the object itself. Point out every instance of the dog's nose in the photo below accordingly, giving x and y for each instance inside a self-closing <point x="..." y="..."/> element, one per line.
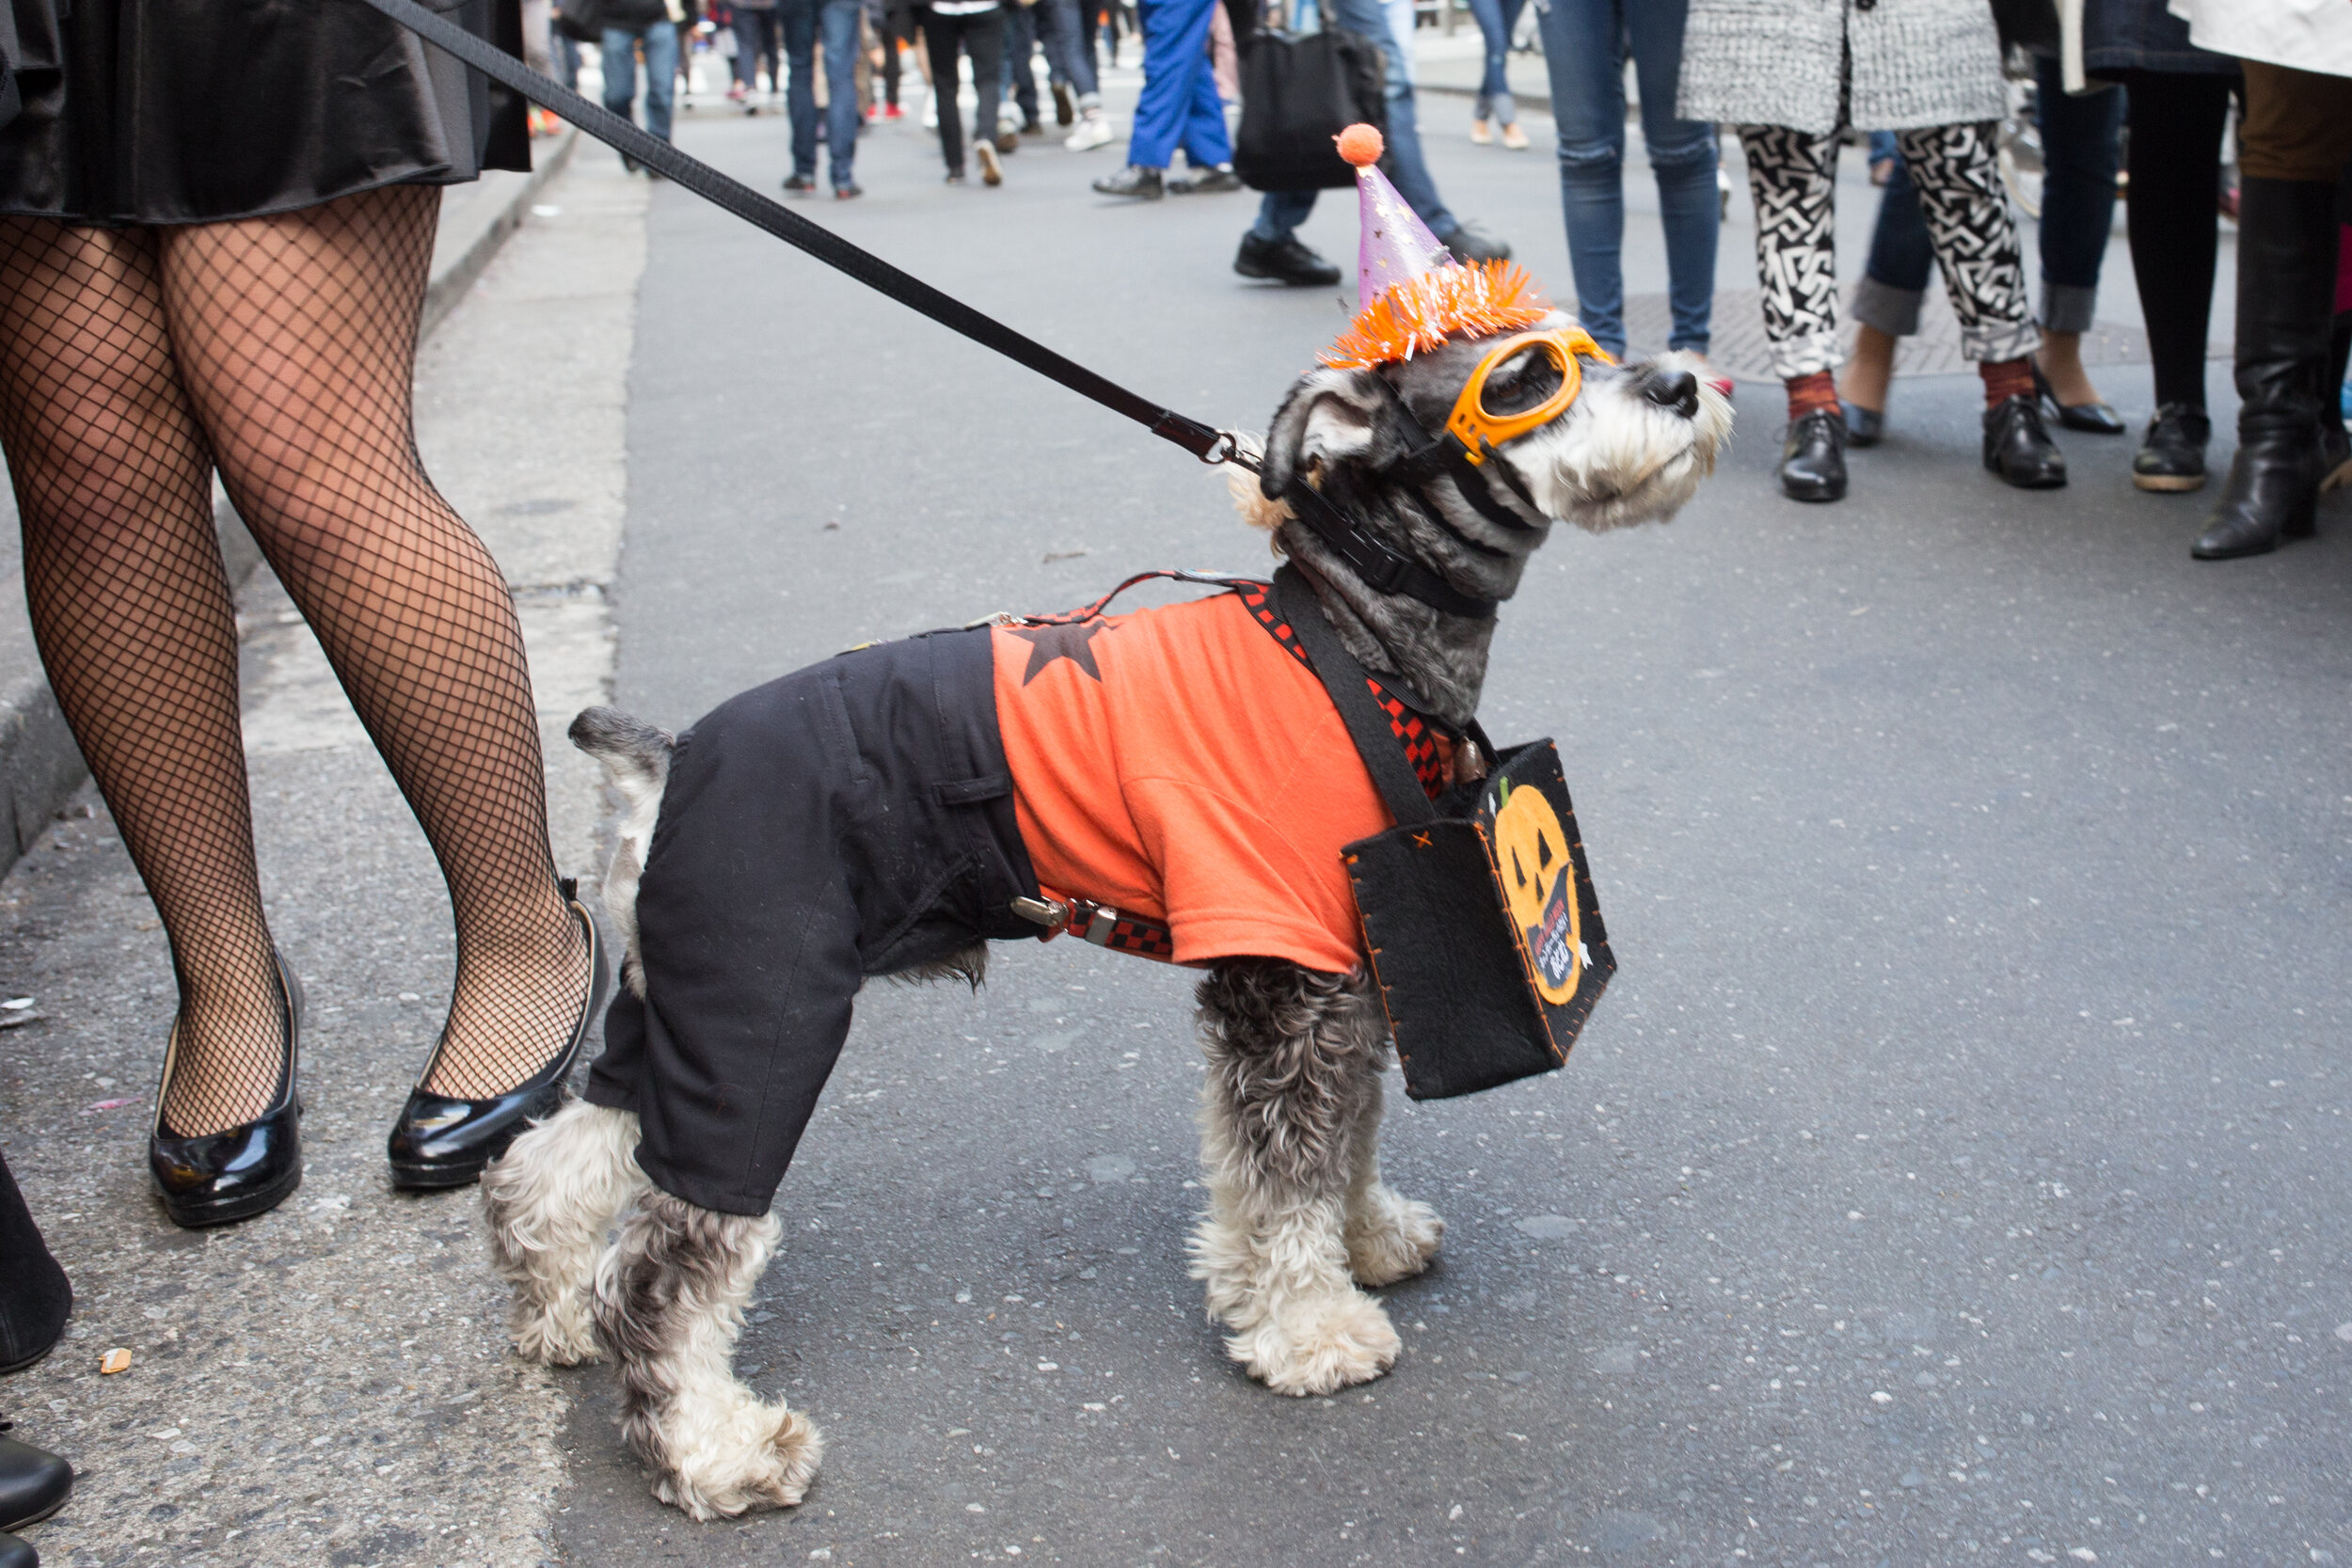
<point x="1677" y="390"/>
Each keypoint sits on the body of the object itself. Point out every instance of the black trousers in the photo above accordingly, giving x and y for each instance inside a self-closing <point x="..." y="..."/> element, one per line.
<point x="981" y="35"/>
<point x="854" y="818"/>
<point x="2173" y="217"/>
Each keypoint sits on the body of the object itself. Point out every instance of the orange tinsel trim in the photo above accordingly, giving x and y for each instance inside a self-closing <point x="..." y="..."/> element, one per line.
<point x="1419" y="313"/>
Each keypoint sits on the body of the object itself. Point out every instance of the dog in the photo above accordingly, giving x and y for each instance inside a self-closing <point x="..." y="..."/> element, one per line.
<point x="1299" y="1223"/>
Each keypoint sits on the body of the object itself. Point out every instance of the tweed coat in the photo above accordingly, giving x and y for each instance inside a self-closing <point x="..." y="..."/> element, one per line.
<point x="1777" y="62"/>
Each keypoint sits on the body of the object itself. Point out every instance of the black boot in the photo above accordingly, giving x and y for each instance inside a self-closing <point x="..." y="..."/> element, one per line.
<point x="2017" y="448"/>
<point x="2286" y="278"/>
<point x="1812" y="457"/>
<point x="35" y="1298"/>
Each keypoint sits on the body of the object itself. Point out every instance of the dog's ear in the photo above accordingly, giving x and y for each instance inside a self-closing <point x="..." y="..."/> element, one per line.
<point x="1331" y="416"/>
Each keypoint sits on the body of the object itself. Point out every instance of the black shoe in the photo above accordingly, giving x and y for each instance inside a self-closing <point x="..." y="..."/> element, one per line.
<point x="1065" y="106"/>
<point x="800" y="184"/>
<point x="1136" y="180"/>
<point x="955" y="177"/>
<point x="34" y="1482"/>
<point x="629" y="165"/>
<point x="17" y="1554"/>
<point x="1286" y="260"/>
<point x="848" y="192"/>
<point x="248" y="1169"/>
<point x="1863" y="426"/>
<point x="2171" y="457"/>
<point x="440" y="1142"/>
<point x="1471" y="248"/>
<point x="2285" y="296"/>
<point x="1034" y="126"/>
<point x="36" y="1298"/>
<point x="2096" y="418"/>
<point x="2018" y="449"/>
<point x="1812" y="457"/>
<point x="1209" y="183"/>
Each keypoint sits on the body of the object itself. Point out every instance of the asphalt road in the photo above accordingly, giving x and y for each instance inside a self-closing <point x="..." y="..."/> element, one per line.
<point x="1954" y="1173"/>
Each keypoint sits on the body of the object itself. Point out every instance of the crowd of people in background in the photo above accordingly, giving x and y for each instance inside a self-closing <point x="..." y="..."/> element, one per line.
<point x="1792" y="83"/>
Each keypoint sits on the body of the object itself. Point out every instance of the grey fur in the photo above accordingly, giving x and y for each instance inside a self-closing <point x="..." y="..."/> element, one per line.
<point x="1294" y="1054"/>
<point x="623" y="743"/>
<point x="670" y="1265"/>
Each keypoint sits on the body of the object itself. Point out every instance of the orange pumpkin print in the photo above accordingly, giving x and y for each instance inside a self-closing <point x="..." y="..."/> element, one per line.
<point x="1539" y="887"/>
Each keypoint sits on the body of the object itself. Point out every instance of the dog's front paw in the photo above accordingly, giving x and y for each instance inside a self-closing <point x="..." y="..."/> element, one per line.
<point x="1392" y="1237"/>
<point x="1318" y="1344"/>
<point x="558" y="1333"/>
<point x="1225" y="1262"/>
<point x="752" y="1455"/>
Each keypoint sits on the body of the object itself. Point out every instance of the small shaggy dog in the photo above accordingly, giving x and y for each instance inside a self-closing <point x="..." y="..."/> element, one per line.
<point x="1300" y="1222"/>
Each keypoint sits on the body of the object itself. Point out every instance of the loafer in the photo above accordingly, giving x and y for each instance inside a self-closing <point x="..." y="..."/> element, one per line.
<point x="2095" y="419"/>
<point x="1863" y="426"/>
<point x="1812" y="457"/>
<point x="1286" y="260"/>
<point x="220" y="1178"/>
<point x="442" y="1141"/>
<point x="34" y="1482"/>
<point x="1145" y="184"/>
<point x="2017" y="448"/>
<point x="2171" y="455"/>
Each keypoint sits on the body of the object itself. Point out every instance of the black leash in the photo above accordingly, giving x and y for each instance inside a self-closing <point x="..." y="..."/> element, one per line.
<point x="1371" y="557"/>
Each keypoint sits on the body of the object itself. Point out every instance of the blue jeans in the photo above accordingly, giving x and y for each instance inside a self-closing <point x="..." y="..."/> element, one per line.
<point x="1179" y="106"/>
<point x="1496" y="18"/>
<point x="2079" y="156"/>
<point x="837" y="19"/>
<point x="1070" y="48"/>
<point x="1585" y="44"/>
<point x="1282" y="212"/>
<point x="620" y="72"/>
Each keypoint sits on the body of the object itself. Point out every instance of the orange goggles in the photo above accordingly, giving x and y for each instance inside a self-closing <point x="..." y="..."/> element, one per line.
<point x="1479" y="429"/>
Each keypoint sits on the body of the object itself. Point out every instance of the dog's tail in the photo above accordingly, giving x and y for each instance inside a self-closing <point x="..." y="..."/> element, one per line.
<point x="634" y="753"/>
<point x="636" y="757"/>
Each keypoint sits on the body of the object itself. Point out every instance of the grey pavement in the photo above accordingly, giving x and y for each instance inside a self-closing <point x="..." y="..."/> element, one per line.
<point x="1952" y="1174"/>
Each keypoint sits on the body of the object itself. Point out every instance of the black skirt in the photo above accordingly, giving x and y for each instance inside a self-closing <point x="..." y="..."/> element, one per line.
<point x="198" y="111"/>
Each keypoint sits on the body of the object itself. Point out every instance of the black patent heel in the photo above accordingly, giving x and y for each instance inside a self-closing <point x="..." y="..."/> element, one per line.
<point x="220" y="1178"/>
<point x="442" y="1142"/>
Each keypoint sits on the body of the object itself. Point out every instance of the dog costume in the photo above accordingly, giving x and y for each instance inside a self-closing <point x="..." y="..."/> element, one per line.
<point x="1182" y="767"/>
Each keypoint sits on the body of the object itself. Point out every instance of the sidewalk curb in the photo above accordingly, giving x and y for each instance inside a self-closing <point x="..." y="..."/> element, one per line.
<point x="41" y="766"/>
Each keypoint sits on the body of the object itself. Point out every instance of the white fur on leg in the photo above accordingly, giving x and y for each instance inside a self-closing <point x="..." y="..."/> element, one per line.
<point x="669" y="1299"/>
<point x="549" y="1200"/>
<point x="1276" y="1273"/>
<point x="1389" y="1236"/>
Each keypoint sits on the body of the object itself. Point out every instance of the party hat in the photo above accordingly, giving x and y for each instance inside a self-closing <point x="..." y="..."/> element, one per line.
<point x="1410" y="292"/>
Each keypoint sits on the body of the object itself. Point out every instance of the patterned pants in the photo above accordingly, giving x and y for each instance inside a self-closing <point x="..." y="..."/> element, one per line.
<point x="1793" y="176"/>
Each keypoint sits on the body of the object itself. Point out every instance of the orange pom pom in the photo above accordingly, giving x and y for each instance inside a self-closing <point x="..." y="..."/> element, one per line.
<point x="1360" y="145"/>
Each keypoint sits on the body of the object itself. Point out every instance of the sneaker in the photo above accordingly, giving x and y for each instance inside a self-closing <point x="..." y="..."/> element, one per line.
<point x="1207" y="182"/>
<point x="1008" y="141"/>
<point x="891" y="111"/>
<point x="1471" y="248"/>
<point x="1286" y="261"/>
<point x="1093" y="131"/>
<point x="930" y="111"/>
<point x="991" y="171"/>
<point x="736" y="93"/>
<point x="1065" y="106"/>
<point x="800" y="184"/>
<point x="848" y="192"/>
<point x="1136" y="180"/>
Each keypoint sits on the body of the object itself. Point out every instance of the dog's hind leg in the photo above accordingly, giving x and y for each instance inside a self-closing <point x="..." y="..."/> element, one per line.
<point x="1389" y="1236"/>
<point x="1294" y="1057"/>
<point x="549" y="1200"/>
<point x="669" y="1306"/>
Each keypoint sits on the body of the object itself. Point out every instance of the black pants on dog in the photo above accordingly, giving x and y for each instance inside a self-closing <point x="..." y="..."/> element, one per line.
<point x="854" y="818"/>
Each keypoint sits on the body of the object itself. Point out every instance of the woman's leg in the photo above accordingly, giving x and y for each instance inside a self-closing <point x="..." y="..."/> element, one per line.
<point x="1793" y="178"/>
<point x="942" y="36"/>
<point x="1887" y="300"/>
<point x="1493" y="85"/>
<point x="1976" y="244"/>
<point x="2078" y="142"/>
<point x="296" y="337"/>
<point x="2172" y="220"/>
<point x="1682" y="157"/>
<point x="1584" y="54"/>
<point x="131" y="607"/>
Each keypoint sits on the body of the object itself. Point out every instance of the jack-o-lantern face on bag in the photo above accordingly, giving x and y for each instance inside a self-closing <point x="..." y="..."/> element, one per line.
<point x="1539" y="887"/>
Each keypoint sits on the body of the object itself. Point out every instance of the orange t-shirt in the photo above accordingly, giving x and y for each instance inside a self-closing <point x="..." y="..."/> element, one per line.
<point x="1181" y="765"/>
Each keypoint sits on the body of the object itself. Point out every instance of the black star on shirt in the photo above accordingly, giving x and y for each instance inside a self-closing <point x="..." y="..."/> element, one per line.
<point x="1048" y="643"/>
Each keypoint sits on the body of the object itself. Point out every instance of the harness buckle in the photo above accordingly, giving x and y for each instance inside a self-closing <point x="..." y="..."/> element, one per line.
<point x="1099" y="924"/>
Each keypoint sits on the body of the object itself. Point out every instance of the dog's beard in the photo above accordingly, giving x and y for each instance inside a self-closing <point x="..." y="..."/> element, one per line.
<point x="1616" y="458"/>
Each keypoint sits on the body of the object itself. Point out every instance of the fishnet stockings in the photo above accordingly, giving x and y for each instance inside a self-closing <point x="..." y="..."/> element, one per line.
<point x="284" y="349"/>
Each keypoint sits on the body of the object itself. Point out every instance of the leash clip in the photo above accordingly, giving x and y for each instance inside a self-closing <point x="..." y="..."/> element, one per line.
<point x="1052" y="913"/>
